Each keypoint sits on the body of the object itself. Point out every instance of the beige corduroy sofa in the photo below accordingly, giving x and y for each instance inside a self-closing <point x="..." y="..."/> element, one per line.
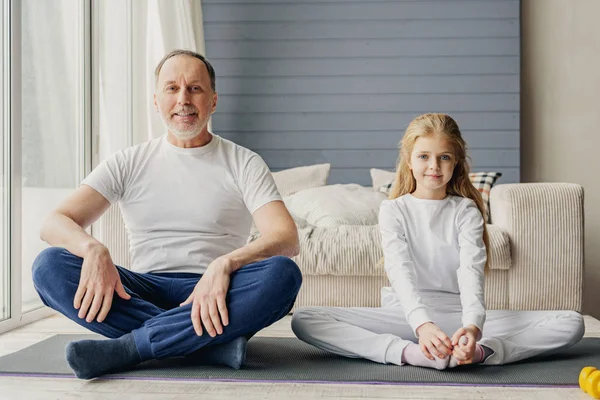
<point x="536" y="263"/>
<point x="536" y="239"/>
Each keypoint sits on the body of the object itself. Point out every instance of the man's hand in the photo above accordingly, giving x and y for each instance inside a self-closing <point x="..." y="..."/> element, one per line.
<point x="464" y="349"/>
<point x="208" y="298"/>
<point x="98" y="282"/>
<point x="433" y="341"/>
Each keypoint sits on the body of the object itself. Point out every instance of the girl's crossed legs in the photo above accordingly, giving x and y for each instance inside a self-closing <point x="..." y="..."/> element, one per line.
<point x="381" y="334"/>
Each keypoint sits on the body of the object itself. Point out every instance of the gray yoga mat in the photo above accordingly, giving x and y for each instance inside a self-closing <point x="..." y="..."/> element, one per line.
<point x="290" y="360"/>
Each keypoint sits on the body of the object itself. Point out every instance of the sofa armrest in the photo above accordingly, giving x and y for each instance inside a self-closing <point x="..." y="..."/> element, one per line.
<point x="544" y="222"/>
<point x="500" y="248"/>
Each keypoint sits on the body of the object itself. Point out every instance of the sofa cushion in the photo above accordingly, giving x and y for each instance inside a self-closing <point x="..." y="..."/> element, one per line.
<point x="290" y="181"/>
<point x="336" y="205"/>
<point x="381" y="177"/>
<point x="355" y="250"/>
<point x="339" y="234"/>
<point x="345" y="250"/>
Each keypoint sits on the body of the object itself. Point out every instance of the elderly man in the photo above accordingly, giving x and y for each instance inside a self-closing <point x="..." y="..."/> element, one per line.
<point x="188" y="200"/>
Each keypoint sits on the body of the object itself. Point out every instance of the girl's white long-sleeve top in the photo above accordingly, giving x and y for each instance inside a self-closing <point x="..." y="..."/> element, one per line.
<point x="434" y="246"/>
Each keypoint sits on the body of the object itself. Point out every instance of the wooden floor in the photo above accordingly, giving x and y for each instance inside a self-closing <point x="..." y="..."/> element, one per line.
<point x="66" y="388"/>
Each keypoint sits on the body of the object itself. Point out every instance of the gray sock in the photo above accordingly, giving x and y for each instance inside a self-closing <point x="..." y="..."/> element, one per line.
<point x="92" y="358"/>
<point x="231" y="354"/>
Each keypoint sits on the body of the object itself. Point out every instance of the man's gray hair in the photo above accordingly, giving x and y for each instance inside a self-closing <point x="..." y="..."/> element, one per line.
<point x="180" y="52"/>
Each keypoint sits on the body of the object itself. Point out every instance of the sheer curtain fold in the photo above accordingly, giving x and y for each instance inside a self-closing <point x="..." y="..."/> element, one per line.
<point x="171" y="25"/>
<point x="134" y="36"/>
<point x="52" y="119"/>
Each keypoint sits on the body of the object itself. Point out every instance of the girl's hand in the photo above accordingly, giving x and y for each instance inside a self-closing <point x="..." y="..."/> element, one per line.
<point x="433" y="341"/>
<point x="464" y="342"/>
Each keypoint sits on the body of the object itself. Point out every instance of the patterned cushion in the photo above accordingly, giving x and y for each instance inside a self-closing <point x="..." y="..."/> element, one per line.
<point x="483" y="181"/>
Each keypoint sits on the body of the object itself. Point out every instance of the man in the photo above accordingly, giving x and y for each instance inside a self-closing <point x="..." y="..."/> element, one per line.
<point x="188" y="199"/>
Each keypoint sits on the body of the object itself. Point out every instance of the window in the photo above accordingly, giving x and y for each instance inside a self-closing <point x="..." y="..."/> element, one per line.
<point x="52" y="109"/>
<point x="44" y="110"/>
<point x="4" y="167"/>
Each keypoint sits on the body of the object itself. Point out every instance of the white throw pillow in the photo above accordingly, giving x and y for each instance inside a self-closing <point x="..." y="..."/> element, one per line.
<point x="290" y="181"/>
<point x="335" y="205"/>
<point x="381" y="177"/>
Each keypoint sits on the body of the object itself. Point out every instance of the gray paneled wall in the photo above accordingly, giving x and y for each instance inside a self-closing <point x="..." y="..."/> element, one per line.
<point x="304" y="82"/>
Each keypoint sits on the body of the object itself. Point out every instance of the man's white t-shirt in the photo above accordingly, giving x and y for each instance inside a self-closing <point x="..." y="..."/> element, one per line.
<point x="183" y="208"/>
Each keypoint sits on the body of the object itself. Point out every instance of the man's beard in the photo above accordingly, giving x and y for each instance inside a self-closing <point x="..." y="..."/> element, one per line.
<point x="194" y="130"/>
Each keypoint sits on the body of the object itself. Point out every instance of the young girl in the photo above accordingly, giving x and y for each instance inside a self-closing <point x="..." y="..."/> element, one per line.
<point x="435" y="254"/>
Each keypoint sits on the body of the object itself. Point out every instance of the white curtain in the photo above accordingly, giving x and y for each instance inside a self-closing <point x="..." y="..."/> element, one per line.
<point x="171" y="25"/>
<point x="52" y="121"/>
<point x="50" y="93"/>
<point x="134" y="36"/>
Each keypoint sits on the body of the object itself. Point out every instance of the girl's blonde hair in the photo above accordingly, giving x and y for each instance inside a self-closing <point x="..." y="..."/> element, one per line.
<point x="459" y="184"/>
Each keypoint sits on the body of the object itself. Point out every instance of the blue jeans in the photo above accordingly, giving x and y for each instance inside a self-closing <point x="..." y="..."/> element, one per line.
<point x="260" y="294"/>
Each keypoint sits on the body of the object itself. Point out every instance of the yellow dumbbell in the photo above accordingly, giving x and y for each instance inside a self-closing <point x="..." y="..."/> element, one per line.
<point x="589" y="381"/>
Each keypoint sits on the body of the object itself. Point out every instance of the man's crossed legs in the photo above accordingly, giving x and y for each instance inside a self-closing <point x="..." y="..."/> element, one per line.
<point x="152" y="325"/>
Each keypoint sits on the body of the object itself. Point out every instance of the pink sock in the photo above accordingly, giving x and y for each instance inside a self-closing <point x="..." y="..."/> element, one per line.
<point x="477" y="357"/>
<point x="479" y="354"/>
<point x="413" y="355"/>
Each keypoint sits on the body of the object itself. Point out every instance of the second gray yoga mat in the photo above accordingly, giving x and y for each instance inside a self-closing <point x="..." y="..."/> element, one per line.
<point x="290" y="360"/>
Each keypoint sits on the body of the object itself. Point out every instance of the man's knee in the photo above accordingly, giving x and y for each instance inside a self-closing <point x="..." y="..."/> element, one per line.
<point x="285" y="272"/>
<point x="47" y="265"/>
